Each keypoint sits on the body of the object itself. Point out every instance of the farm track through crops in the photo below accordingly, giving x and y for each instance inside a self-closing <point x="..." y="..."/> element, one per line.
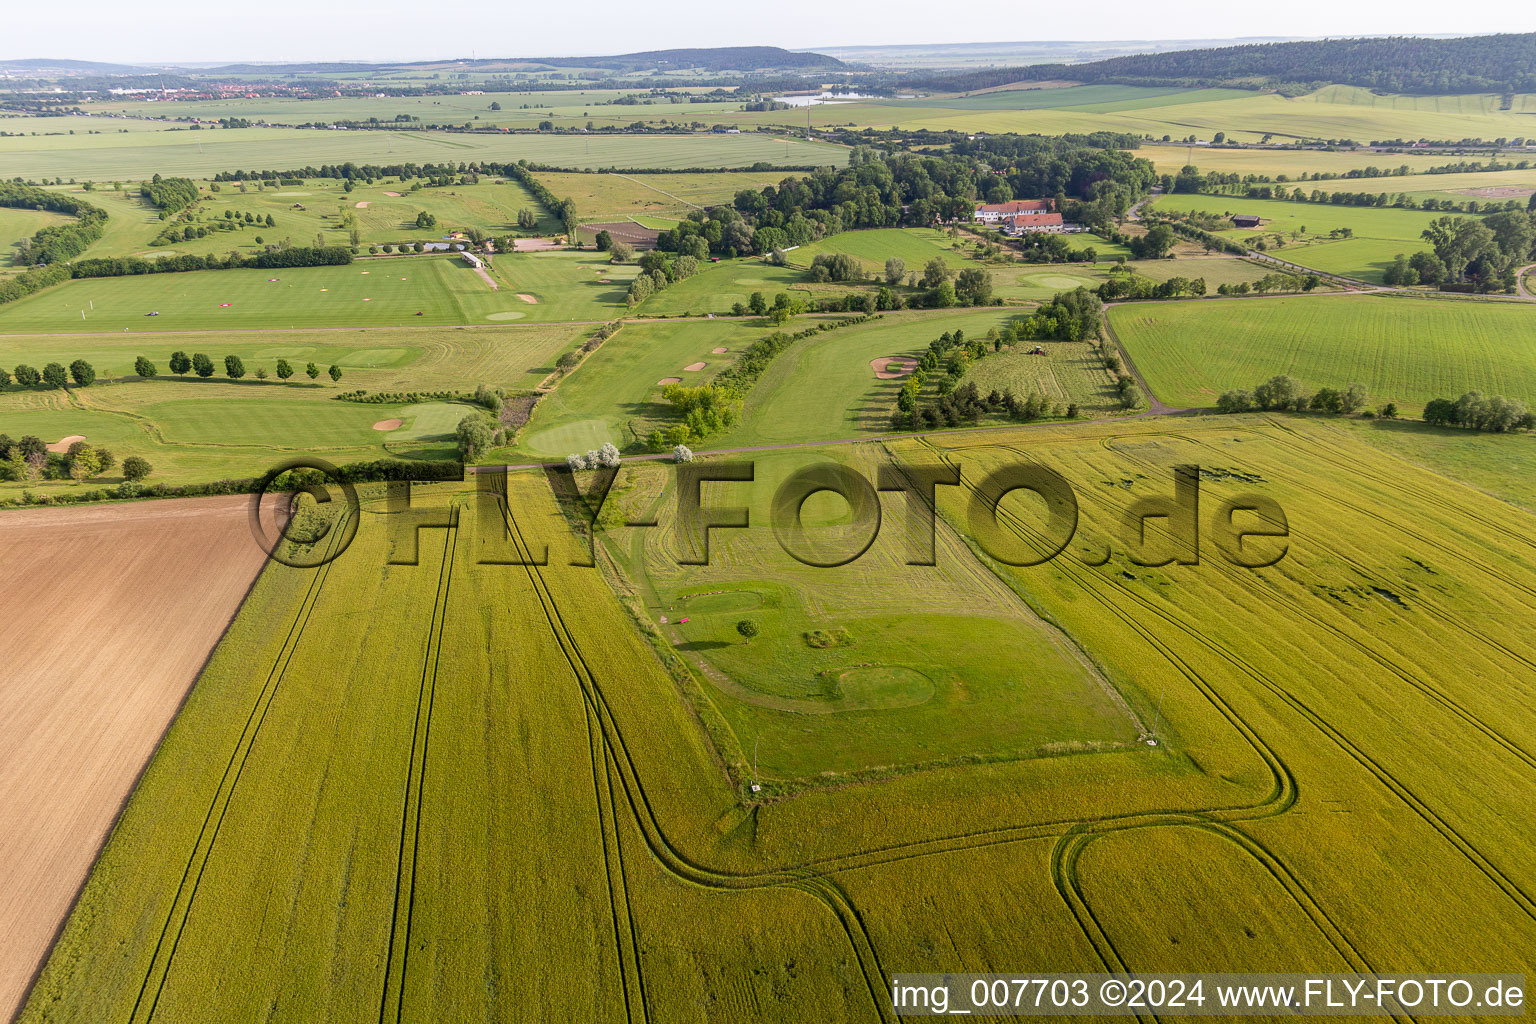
<point x="197" y="861"/>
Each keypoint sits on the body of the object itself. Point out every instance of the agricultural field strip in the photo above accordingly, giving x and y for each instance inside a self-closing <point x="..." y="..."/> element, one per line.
<point x="218" y="807"/>
<point x="399" y="952"/>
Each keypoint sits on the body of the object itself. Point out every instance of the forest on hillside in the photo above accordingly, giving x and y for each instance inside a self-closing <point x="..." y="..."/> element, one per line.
<point x="1499" y="63"/>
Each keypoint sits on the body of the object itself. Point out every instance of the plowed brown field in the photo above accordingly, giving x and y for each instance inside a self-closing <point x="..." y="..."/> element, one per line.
<point x="109" y="613"/>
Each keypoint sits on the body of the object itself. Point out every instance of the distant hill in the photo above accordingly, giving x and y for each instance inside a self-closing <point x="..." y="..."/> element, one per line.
<point x="60" y="66"/>
<point x="1497" y="63"/>
<point x="723" y="58"/>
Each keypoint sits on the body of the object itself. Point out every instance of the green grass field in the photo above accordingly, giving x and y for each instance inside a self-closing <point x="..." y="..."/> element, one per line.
<point x="1378" y="234"/>
<point x="193" y="430"/>
<point x="1256" y="834"/>
<point x="600" y="196"/>
<point x="381" y="213"/>
<point x="914" y="246"/>
<point x="1404" y="350"/>
<point x="381" y="292"/>
<point x="16" y="225"/>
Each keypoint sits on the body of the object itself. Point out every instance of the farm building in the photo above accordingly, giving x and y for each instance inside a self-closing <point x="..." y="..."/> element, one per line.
<point x="1245" y="220"/>
<point x="1027" y="223"/>
<point x="992" y="213"/>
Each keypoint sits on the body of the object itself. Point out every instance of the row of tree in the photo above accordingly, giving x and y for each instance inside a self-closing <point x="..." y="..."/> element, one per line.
<point x="57" y="242"/>
<point x="53" y="375"/>
<point x="276" y="258"/>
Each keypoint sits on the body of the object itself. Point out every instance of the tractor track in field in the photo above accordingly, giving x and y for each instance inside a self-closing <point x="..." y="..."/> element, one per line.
<point x="1383" y="775"/>
<point x="1384" y="659"/>
<point x="218" y="807"/>
<point x="612" y="746"/>
<point x="393" y="995"/>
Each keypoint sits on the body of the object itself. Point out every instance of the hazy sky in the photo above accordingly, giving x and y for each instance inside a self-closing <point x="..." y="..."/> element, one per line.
<point x="181" y="30"/>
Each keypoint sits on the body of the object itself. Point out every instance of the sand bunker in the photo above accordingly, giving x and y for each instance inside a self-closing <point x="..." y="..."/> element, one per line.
<point x="669" y="380"/>
<point x="719" y="351"/>
<point x="695" y="366"/>
<point x="387" y="425"/>
<point x="61" y="446"/>
<point x="528" y="298"/>
<point x="887" y="368"/>
<point x="395" y="194"/>
<point x="363" y="205"/>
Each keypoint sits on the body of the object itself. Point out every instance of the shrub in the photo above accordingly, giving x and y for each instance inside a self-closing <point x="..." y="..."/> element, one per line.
<point x="136" y="468"/>
<point x="474" y="434"/>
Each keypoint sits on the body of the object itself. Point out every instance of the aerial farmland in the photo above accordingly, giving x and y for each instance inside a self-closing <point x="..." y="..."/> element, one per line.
<point x="741" y="533"/>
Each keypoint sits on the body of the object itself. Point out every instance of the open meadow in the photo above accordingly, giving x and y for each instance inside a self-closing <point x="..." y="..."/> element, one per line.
<point x="618" y="752"/>
<point x="1311" y="234"/>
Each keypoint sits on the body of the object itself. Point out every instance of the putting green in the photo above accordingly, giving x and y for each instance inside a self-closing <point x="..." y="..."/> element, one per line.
<point x="578" y="436"/>
<point x="429" y="421"/>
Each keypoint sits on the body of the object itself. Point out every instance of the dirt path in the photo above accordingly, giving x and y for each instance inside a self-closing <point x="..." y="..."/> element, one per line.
<point x="487" y="279"/>
<point x="111" y="612"/>
<point x="1524" y="292"/>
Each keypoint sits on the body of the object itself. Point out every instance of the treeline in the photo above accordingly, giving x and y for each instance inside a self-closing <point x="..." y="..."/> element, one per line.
<point x="1283" y="393"/>
<point x="290" y="481"/>
<point x="58" y="242"/>
<point x="1496" y="63"/>
<point x="273" y="259"/>
<point x="169" y="194"/>
<point x="563" y="210"/>
<point x="950" y="356"/>
<point x="13" y="287"/>
<point x="1399" y="201"/>
<point x="920" y="189"/>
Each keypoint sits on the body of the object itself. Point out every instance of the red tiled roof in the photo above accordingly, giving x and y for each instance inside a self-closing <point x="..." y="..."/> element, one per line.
<point x="1035" y="220"/>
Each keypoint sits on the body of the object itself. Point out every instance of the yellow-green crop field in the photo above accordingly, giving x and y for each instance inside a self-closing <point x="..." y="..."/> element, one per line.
<point x="388" y="802"/>
<point x="132" y="156"/>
